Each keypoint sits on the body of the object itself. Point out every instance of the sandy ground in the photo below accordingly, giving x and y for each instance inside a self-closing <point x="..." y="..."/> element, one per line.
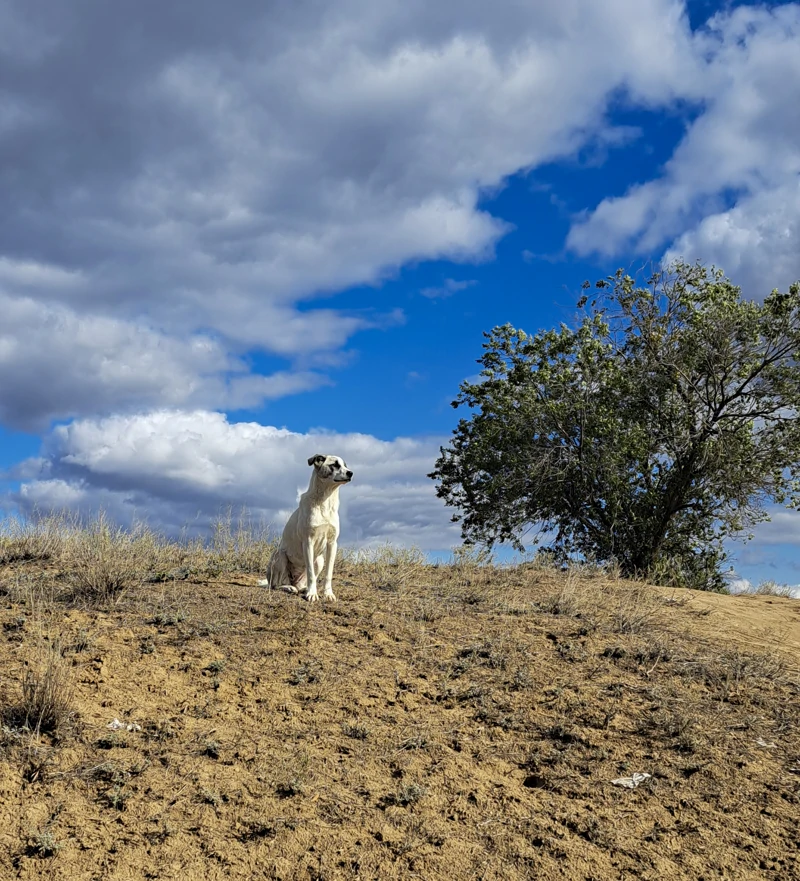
<point x="440" y="724"/>
<point x="761" y="622"/>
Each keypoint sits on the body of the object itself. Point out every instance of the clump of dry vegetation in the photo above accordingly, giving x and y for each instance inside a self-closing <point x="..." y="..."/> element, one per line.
<point x="386" y="567"/>
<point x="239" y="545"/>
<point x="457" y="720"/>
<point x="46" y="706"/>
<point x="97" y="562"/>
<point x="772" y="589"/>
<point x="33" y="541"/>
<point x="105" y="561"/>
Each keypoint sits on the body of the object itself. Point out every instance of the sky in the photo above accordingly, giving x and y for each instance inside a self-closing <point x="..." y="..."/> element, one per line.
<point x="237" y="235"/>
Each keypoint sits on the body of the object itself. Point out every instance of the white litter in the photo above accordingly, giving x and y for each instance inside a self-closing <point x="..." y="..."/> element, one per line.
<point x="633" y="781"/>
<point x="116" y="725"/>
<point x="762" y="742"/>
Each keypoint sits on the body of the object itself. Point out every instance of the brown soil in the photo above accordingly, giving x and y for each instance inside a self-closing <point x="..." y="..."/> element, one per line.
<point x="463" y="723"/>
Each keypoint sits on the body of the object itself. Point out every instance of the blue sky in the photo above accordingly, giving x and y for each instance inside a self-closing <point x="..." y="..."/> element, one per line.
<point x="232" y="238"/>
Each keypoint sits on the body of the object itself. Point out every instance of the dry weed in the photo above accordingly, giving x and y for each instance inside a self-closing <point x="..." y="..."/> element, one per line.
<point x="43" y="844"/>
<point x="46" y="703"/>
<point x="294" y="776"/>
<point x="37" y="540"/>
<point x="105" y="561"/>
<point x="568" y="600"/>
<point x="470" y="557"/>
<point x="635" y="609"/>
<point x="676" y="722"/>
<point x="428" y="610"/>
<point x="387" y="567"/>
<point x="36" y="590"/>
<point x="737" y="676"/>
<point x="33" y="757"/>
<point x="406" y="795"/>
<point x="772" y="589"/>
<point x="356" y="730"/>
<point x="242" y="545"/>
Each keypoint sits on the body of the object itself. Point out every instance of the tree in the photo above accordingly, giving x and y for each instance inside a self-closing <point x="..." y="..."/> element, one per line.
<point x="657" y="427"/>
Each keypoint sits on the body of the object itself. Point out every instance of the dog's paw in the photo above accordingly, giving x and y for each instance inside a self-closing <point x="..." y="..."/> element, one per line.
<point x="329" y="595"/>
<point x="312" y="597"/>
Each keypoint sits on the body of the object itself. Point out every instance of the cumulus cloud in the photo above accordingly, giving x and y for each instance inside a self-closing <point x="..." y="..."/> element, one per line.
<point x="181" y="469"/>
<point x="729" y="193"/>
<point x="782" y="528"/>
<point x="214" y="169"/>
<point x="757" y="241"/>
<point x="54" y="362"/>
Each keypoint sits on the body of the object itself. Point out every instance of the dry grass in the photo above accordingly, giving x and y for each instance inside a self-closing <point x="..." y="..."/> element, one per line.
<point x="96" y="562"/>
<point x="240" y="545"/>
<point x="567" y="599"/>
<point x="47" y="695"/>
<point x="387" y="567"/>
<point x="105" y="561"/>
<point x="772" y="589"/>
<point x="45" y="705"/>
<point x="37" y="716"/>
<point x="455" y="721"/>
<point x="38" y="540"/>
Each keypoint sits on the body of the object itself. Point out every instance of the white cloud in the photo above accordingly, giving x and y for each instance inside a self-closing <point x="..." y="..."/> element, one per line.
<point x="54" y="363"/>
<point x="757" y="242"/>
<point x="181" y="469"/>
<point x="212" y="170"/>
<point x="743" y="147"/>
<point x="782" y="528"/>
<point x="740" y="585"/>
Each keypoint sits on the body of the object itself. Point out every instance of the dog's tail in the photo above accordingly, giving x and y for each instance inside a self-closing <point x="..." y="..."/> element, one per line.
<point x="265" y="582"/>
<point x="269" y="581"/>
<point x="279" y="575"/>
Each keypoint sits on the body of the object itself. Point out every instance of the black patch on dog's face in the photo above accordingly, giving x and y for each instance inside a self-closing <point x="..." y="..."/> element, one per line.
<point x="331" y="468"/>
<point x="340" y="472"/>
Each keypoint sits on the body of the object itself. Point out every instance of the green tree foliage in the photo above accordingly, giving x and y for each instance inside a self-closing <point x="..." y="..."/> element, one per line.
<point x="657" y="427"/>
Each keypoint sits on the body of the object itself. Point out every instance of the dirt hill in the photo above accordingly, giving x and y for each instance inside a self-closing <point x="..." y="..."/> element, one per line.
<point x="437" y="723"/>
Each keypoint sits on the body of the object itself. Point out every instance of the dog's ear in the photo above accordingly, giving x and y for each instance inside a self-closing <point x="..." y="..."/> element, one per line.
<point x="316" y="460"/>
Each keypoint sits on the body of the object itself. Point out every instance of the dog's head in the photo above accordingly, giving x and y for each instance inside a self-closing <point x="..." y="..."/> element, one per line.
<point x="331" y="468"/>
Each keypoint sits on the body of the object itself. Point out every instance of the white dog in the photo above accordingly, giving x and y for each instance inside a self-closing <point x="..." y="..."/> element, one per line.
<point x="310" y="537"/>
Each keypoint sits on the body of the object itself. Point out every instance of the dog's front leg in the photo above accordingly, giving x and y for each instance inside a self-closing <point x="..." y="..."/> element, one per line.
<point x="311" y="570"/>
<point x="330" y="559"/>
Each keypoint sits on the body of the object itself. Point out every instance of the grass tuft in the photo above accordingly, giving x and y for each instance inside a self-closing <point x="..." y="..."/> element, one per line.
<point x="46" y="705"/>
